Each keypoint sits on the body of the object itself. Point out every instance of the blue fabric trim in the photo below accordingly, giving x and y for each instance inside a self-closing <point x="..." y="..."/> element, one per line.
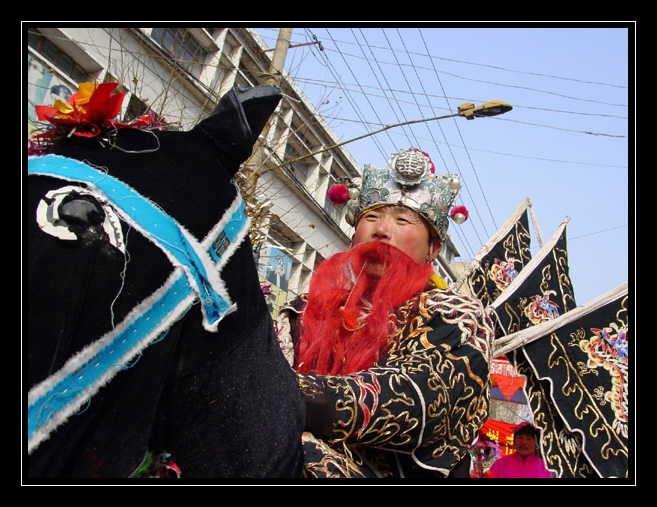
<point x="55" y="399"/>
<point x="229" y="234"/>
<point x="84" y="374"/>
<point x="159" y="226"/>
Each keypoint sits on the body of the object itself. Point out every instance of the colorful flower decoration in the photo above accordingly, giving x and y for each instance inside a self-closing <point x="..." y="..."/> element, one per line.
<point x="267" y="290"/>
<point x="88" y="113"/>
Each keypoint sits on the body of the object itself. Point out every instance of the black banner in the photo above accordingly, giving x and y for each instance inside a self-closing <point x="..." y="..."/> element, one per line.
<point x="501" y="259"/>
<point x="542" y="291"/>
<point x="577" y="388"/>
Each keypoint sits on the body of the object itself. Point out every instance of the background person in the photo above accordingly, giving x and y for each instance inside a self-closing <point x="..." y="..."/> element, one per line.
<point x="524" y="462"/>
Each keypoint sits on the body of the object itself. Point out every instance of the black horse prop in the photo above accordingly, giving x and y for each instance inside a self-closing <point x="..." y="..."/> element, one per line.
<point x="147" y="331"/>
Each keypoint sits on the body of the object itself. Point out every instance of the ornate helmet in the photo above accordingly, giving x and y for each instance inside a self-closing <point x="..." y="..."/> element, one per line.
<point x="408" y="180"/>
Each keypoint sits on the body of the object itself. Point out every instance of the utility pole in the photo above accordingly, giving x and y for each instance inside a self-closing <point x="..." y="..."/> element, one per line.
<point x="252" y="169"/>
<point x="280" y="54"/>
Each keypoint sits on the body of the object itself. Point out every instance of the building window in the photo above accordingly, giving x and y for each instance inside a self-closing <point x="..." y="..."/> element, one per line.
<point x="182" y="47"/>
<point x="136" y="109"/>
<point x="298" y="169"/>
<point x="64" y="63"/>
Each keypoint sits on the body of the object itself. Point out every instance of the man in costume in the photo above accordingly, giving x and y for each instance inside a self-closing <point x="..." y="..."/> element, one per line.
<point x="393" y="364"/>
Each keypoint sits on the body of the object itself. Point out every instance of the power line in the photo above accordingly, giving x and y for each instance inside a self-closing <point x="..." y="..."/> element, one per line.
<point x="429" y="96"/>
<point x="597" y="232"/>
<point x="505" y="69"/>
<point x="537" y="90"/>
<point x="464" y="146"/>
<point x="373" y="63"/>
<point x="390" y="102"/>
<point x="354" y="105"/>
<point x="375" y="126"/>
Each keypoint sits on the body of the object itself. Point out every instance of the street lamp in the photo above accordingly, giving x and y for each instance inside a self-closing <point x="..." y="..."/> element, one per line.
<point x="467" y="110"/>
<point x="492" y="108"/>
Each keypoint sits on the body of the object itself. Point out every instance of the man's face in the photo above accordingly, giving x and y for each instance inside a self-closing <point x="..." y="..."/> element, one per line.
<point x="524" y="444"/>
<point x="397" y="226"/>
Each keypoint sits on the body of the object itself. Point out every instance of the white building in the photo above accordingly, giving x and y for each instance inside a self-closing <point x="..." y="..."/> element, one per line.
<point x="180" y="73"/>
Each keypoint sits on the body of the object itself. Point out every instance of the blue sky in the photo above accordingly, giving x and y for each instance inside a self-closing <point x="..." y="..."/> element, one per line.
<point x="565" y="144"/>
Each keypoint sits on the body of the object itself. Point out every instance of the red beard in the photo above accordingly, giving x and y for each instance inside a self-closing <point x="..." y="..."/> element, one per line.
<point x="346" y="323"/>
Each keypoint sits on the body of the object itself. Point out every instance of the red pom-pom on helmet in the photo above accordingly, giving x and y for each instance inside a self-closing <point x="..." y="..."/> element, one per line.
<point x="338" y="194"/>
<point x="459" y="214"/>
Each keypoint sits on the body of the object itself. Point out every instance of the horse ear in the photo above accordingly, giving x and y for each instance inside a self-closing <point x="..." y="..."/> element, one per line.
<point x="237" y="121"/>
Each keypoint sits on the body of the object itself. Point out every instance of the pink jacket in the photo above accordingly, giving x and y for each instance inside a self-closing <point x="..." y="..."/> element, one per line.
<point x="514" y="466"/>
